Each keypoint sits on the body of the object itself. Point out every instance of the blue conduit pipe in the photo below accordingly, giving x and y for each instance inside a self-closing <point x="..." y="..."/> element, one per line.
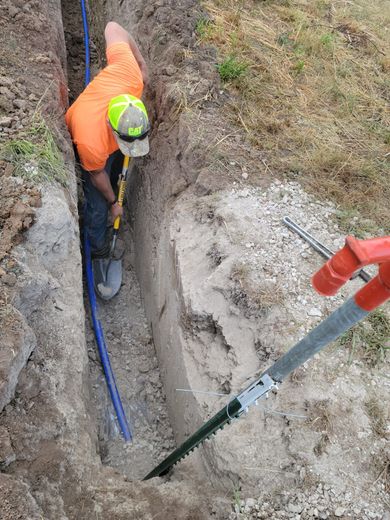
<point x="86" y="44"/>
<point x="97" y="326"/>
<point x="99" y="335"/>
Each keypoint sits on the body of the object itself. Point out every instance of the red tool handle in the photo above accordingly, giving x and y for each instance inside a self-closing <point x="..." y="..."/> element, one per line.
<point x="353" y="256"/>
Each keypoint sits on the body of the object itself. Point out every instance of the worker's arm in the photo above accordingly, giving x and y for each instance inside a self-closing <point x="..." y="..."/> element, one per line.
<point x="101" y="181"/>
<point x="114" y="33"/>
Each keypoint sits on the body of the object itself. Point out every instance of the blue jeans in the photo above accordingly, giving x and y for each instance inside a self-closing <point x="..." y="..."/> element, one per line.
<point x="96" y="206"/>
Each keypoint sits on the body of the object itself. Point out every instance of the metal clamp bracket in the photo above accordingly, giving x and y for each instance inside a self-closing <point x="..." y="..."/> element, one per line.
<point x="257" y="390"/>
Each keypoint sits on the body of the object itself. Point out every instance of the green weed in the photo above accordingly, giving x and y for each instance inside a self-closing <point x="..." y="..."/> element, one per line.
<point x="285" y="40"/>
<point x="327" y="40"/>
<point x="203" y="28"/>
<point x="35" y="154"/>
<point x="237" y="498"/>
<point x="299" y="66"/>
<point x="231" y="68"/>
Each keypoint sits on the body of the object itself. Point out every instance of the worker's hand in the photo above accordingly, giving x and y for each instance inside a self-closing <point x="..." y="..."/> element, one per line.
<point x="116" y="211"/>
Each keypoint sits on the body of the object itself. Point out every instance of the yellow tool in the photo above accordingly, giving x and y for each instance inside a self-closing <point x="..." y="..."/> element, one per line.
<point x="108" y="271"/>
<point x="121" y="196"/>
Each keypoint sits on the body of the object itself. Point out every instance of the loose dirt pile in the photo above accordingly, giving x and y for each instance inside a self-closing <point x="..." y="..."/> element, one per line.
<point x="246" y="300"/>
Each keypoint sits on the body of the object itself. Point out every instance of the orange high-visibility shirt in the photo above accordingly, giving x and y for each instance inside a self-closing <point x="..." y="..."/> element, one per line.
<point x="87" y="117"/>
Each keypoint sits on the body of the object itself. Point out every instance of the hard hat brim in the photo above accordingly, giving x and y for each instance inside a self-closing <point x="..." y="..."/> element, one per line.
<point x="137" y="148"/>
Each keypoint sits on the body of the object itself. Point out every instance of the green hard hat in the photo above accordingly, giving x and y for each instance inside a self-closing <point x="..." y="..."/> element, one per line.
<point x="129" y="121"/>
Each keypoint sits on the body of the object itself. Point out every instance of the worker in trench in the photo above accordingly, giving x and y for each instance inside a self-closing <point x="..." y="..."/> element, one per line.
<point x="107" y="121"/>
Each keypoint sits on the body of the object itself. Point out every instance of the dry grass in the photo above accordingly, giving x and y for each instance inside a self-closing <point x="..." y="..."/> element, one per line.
<point x="320" y="416"/>
<point x="382" y="462"/>
<point x="370" y="339"/>
<point x="320" y="420"/>
<point x="315" y="93"/>
<point x="379" y="416"/>
<point x="35" y="154"/>
<point x="252" y="298"/>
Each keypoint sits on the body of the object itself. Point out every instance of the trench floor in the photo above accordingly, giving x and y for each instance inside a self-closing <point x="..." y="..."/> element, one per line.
<point x="136" y="370"/>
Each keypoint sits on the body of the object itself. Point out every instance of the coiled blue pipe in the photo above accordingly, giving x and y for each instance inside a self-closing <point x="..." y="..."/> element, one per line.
<point x="99" y="335"/>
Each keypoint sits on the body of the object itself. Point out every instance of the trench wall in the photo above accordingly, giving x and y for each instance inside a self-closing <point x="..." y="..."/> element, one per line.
<point x="159" y="189"/>
<point x="47" y="436"/>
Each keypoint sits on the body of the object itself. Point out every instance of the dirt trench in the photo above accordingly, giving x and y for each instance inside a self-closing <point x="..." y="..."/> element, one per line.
<point x="203" y="243"/>
<point x="126" y="328"/>
<point x="53" y="421"/>
<point x="226" y="288"/>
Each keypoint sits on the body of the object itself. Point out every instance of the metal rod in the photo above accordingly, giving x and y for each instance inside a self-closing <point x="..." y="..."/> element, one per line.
<point x="327" y="331"/>
<point x="319" y="247"/>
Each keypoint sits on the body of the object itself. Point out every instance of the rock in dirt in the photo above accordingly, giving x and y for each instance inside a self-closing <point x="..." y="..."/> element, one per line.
<point x="13" y="11"/>
<point x="20" y="103"/>
<point x="4" y="80"/>
<point x="17" y="343"/>
<point x="5" y="121"/>
<point x="6" y="92"/>
<point x="314" y="311"/>
<point x="250" y="502"/>
<point x="295" y="508"/>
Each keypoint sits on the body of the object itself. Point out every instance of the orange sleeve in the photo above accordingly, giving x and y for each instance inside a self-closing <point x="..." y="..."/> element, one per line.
<point x="90" y="158"/>
<point x="119" y="51"/>
<point x="123" y="65"/>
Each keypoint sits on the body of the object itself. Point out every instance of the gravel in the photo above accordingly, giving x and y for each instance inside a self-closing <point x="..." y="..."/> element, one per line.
<point x="312" y="503"/>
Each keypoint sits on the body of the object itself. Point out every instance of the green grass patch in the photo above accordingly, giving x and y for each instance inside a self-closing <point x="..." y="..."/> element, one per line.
<point x="298" y="66"/>
<point x="285" y="40"/>
<point x="231" y="68"/>
<point x="370" y="340"/>
<point x="204" y="28"/>
<point x="327" y="40"/>
<point x="310" y="82"/>
<point x="35" y="154"/>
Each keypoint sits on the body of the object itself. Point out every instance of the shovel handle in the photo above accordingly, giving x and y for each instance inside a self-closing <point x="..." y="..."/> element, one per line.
<point x="122" y="189"/>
